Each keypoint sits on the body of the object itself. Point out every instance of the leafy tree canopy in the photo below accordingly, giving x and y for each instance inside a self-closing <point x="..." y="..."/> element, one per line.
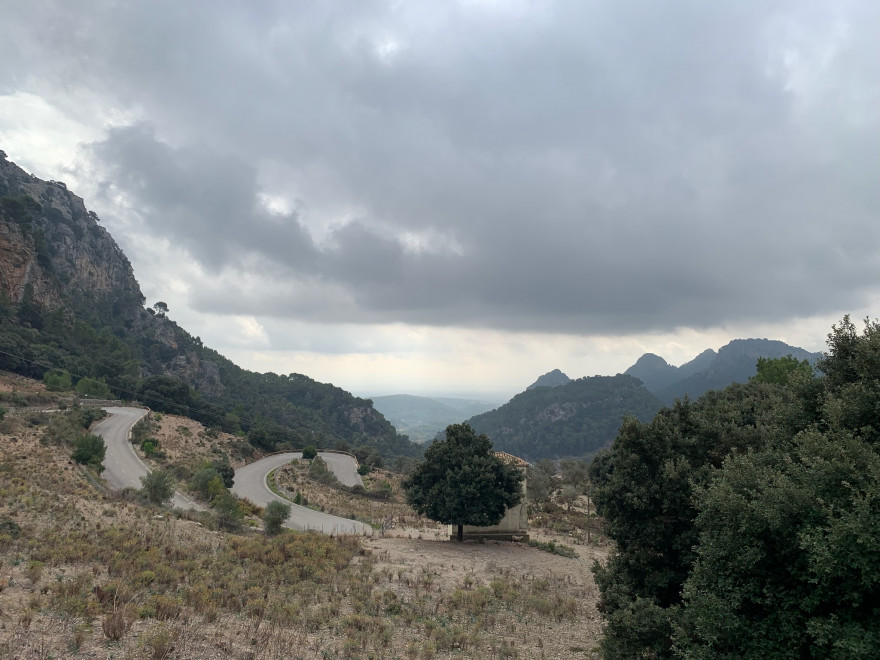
<point x="746" y="522"/>
<point x="274" y="516"/>
<point x="89" y="449"/>
<point x="778" y="371"/>
<point x="462" y="482"/>
<point x="158" y="486"/>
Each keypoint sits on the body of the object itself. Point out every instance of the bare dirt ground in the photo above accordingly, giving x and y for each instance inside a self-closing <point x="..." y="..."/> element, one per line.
<point x="451" y="563"/>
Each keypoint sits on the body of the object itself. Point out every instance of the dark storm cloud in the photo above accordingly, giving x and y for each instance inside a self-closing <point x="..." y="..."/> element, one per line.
<point x="554" y="166"/>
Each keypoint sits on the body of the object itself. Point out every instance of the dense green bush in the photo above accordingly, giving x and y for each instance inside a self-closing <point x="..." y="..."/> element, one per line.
<point x="158" y="486"/>
<point x="57" y="380"/>
<point x="89" y="449"/>
<point x="274" y="516"/>
<point x="746" y="522"/>
<point x="95" y="388"/>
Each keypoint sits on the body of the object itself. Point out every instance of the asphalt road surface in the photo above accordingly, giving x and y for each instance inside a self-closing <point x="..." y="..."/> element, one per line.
<point x="250" y="482"/>
<point x="123" y="468"/>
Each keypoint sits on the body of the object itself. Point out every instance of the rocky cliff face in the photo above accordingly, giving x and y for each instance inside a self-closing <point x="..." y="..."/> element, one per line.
<point x="55" y="255"/>
<point x="53" y="249"/>
<point x="20" y="272"/>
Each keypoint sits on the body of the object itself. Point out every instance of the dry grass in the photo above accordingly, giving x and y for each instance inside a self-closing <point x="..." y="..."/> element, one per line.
<point x="383" y="501"/>
<point x="86" y="574"/>
<point x="184" y="441"/>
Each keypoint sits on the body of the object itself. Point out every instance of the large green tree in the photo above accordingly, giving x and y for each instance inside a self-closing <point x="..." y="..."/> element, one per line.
<point x="788" y="559"/>
<point x="746" y="523"/>
<point x="644" y="489"/>
<point x="462" y="481"/>
<point x="780" y="370"/>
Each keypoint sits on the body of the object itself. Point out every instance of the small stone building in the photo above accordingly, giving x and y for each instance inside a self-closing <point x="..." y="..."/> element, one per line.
<point x="514" y="525"/>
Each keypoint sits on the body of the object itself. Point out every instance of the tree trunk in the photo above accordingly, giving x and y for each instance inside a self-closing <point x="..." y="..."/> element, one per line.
<point x="460" y="533"/>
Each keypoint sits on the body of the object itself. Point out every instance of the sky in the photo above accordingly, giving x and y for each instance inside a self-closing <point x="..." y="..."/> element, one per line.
<point x="455" y="198"/>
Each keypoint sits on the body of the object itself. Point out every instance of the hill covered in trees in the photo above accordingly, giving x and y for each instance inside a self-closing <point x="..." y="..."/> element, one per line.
<point x="571" y="420"/>
<point x="72" y="313"/>
<point x="745" y="521"/>
<point x="710" y="370"/>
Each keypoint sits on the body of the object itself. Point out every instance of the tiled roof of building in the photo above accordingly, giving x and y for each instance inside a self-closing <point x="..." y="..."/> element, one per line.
<point x="510" y="459"/>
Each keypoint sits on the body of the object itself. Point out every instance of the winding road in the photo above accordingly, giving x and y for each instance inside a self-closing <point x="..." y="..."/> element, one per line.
<point x="250" y="482"/>
<point x="123" y="468"/>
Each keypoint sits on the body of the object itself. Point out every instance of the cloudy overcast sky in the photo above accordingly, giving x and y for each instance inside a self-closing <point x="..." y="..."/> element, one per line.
<point x="459" y="196"/>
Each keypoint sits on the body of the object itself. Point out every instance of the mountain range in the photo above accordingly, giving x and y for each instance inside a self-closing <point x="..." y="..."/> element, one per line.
<point x="559" y="417"/>
<point x="710" y="370"/>
<point x="574" y="419"/>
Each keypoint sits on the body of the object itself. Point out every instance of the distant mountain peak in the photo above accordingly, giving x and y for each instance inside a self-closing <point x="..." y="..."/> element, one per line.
<point x="732" y="363"/>
<point x="553" y="378"/>
<point x="651" y="360"/>
<point x="653" y="371"/>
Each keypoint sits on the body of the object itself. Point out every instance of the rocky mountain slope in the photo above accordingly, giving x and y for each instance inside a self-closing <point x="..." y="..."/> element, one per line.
<point x="571" y="420"/>
<point x="734" y="363"/>
<point x="71" y="306"/>
<point x="553" y="378"/>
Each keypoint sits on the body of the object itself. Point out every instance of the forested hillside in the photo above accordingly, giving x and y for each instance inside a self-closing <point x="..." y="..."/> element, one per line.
<point x="746" y="522"/>
<point x="733" y="363"/>
<point x="72" y="313"/>
<point x="572" y="420"/>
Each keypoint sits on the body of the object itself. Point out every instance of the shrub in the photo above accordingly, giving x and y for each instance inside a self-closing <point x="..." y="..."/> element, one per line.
<point x="57" y="380"/>
<point x="10" y="528"/>
<point x="89" y="449"/>
<point x="93" y="388"/>
<point x="229" y="514"/>
<point x="204" y="483"/>
<point x="319" y="471"/>
<point x="115" y="624"/>
<point x="310" y="452"/>
<point x="88" y="415"/>
<point x="274" y="516"/>
<point x="160" y="640"/>
<point x="158" y="486"/>
<point x="383" y="490"/>
<point x="555" y="548"/>
<point x="225" y="470"/>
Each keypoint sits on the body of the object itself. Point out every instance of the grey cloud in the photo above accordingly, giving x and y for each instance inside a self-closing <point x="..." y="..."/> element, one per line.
<point x="204" y="200"/>
<point x="599" y="166"/>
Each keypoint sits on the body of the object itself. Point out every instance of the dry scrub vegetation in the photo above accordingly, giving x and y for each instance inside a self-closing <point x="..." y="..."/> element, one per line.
<point x="85" y="573"/>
